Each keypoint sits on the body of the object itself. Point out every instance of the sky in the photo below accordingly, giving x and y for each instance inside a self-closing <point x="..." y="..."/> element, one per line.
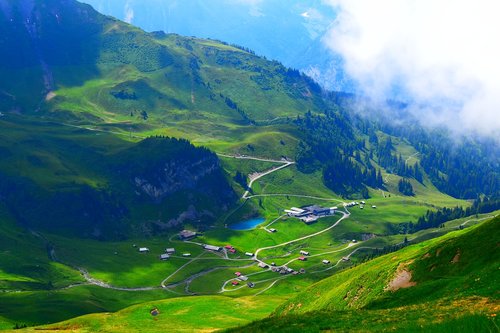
<point x="441" y="54"/>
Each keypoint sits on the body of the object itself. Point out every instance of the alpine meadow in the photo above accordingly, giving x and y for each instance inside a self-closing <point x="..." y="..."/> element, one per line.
<point x="156" y="182"/>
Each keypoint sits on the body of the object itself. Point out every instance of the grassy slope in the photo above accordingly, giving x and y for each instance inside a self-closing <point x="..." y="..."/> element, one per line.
<point x="207" y="313"/>
<point x="459" y="269"/>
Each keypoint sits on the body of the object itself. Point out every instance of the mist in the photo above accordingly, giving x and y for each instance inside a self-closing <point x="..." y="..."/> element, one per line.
<point x="440" y="55"/>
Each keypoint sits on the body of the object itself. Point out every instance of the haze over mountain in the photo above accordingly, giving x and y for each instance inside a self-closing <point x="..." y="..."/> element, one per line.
<point x="444" y="69"/>
<point x="288" y="31"/>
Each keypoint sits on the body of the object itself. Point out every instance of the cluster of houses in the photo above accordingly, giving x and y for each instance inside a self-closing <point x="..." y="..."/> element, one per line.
<point x="310" y="214"/>
<point x="242" y="278"/>
<point x="355" y="203"/>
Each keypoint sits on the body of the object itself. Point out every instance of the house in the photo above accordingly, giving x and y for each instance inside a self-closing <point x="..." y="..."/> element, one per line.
<point x="304" y="252"/>
<point x="235" y="283"/>
<point x="250" y="254"/>
<point x="262" y="265"/>
<point x="232" y="250"/>
<point x="272" y="230"/>
<point x="143" y="249"/>
<point x="333" y="209"/>
<point x="362" y="202"/>
<point x="374" y="206"/>
<point x="250" y="284"/>
<point x="237" y="274"/>
<point x="228" y="247"/>
<point x="170" y="250"/>
<point x="345" y="259"/>
<point x="326" y="262"/>
<point x="211" y="247"/>
<point x="164" y="256"/>
<point x="242" y="278"/>
<point x="302" y="258"/>
<point x="309" y="219"/>
<point x="187" y="254"/>
<point x="187" y="234"/>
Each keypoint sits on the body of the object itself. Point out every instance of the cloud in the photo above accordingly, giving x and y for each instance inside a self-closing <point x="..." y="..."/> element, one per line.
<point x="440" y="53"/>
<point x="128" y="12"/>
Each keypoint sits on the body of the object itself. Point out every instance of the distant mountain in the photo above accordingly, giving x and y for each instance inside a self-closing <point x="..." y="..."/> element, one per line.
<point x="288" y="31"/>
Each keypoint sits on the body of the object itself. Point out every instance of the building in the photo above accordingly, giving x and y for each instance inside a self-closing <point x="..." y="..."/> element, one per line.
<point x="187" y="234"/>
<point x="333" y="209"/>
<point x="187" y="254"/>
<point x="229" y="247"/>
<point x="242" y="278"/>
<point x="374" y="206"/>
<point x="170" y="250"/>
<point x="164" y="256"/>
<point x="309" y="219"/>
<point x="262" y="265"/>
<point x="250" y="254"/>
<point x="235" y="283"/>
<point x="143" y="249"/>
<point x="237" y="273"/>
<point x="305" y="253"/>
<point x="302" y="258"/>
<point x="250" y="284"/>
<point x="212" y="247"/>
<point x="232" y="250"/>
<point x="272" y="230"/>
<point x="326" y="262"/>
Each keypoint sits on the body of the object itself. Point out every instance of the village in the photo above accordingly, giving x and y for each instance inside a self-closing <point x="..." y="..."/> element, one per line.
<point x="307" y="214"/>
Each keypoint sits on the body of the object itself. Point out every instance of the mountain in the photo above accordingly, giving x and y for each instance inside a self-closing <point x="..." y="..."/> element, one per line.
<point x="413" y="290"/>
<point x="291" y="32"/>
<point x="81" y="70"/>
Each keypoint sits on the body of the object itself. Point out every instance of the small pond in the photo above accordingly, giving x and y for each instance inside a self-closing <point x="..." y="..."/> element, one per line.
<point x="247" y="224"/>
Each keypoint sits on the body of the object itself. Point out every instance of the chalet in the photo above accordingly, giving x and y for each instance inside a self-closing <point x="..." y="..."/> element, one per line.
<point x="362" y="202"/>
<point x="302" y="258"/>
<point x="374" y="206"/>
<point x="170" y="250"/>
<point x="305" y="253"/>
<point x="143" y="249"/>
<point x="333" y="209"/>
<point x="345" y="259"/>
<point x="228" y="247"/>
<point x="272" y="230"/>
<point x="250" y="284"/>
<point x="232" y="250"/>
<point x="262" y="265"/>
<point x="187" y="254"/>
<point x="237" y="273"/>
<point x="243" y="278"/>
<point x="250" y="254"/>
<point x="187" y="234"/>
<point x="212" y="247"/>
<point x="164" y="256"/>
<point x="235" y="283"/>
<point x="309" y="219"/>
<point x="326" y="262"/>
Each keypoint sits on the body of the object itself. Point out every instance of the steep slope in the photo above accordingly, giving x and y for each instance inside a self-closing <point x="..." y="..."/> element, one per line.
<point x="458" y="270"/>
<point x="68" y="180"/>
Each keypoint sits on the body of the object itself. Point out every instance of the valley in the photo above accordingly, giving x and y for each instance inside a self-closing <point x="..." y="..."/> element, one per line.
<point x="155" y="182"/>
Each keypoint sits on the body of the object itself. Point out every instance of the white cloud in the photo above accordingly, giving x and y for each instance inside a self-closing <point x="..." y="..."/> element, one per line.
<point x="128" y="12"/>
<point x="436" y="52"/>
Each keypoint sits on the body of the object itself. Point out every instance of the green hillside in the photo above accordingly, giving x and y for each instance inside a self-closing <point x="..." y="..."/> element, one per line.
<point x="411" y="290"/>
<point x="113" y="139"/>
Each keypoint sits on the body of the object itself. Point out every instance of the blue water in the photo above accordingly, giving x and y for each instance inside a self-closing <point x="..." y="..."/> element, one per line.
<point x="248" y="224"/>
